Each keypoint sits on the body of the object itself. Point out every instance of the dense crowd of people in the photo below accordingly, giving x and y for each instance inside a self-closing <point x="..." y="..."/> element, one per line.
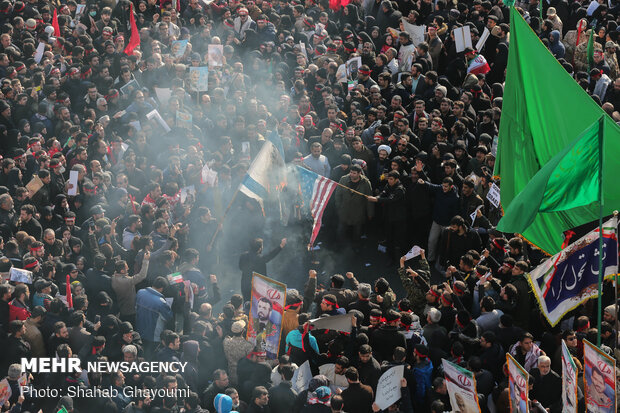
<point x="107" y="208"/>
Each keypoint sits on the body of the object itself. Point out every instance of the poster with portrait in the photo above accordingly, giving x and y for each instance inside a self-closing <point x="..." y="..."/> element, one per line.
<point x="266" y="311"/>
<point x="184" y="120"/>
<point x="569" y="381"/>
<point x="599" y="379"/>
<point x="129" y="87"/>
<point x="5" y="391"/>
<point x="178" y="48"/>
<point x="353" y="64"/>
<point x="199" y="78"/>
<point x="461" y="386"/>
<point x="517" y="386"/>
<point x="215" y="55"/>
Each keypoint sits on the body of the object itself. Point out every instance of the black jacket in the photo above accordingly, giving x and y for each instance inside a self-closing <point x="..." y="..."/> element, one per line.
<point x="358" y="398"/>
<point x="393" y="199"/>
<point x="282" y="398"/>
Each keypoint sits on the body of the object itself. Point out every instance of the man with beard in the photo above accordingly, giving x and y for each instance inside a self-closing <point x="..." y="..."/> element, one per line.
<point x="395" y="214"/>
<point x="263" y="328"/>
<point x="353" y="209"/>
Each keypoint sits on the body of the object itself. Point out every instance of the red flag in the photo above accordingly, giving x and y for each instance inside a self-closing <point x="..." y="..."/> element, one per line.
<point x="55" y="23"/>
<point x="68" y="287"/>
<point x="134" y="40"/>
<point x="336" y="5"/>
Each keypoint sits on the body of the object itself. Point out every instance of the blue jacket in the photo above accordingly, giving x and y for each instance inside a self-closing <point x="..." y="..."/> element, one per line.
<point x="152" y="313"/>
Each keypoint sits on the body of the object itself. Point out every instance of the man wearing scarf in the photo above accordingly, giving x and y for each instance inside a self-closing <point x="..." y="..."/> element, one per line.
<point x="526" y="352"/>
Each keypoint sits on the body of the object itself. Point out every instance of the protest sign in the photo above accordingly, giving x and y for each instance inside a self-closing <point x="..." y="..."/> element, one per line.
<point x="199" y="78"/>
<point x="266" y="310"/>
<point x="493" y="195"/>
<point x="353" y="64"/>
<point x="341" y="322"/>
<point x="301" y="377"/>
<point x="462" y="38"/>
<point x="599" y="379"/>
<point x="19" y="275"/>
<point x="215" y="55"/>
<point x="473" y="214"/>
<point x="416" y="32"/>
<point x="154" y="115"/>
<point x="129" y="87"/>
<point x="388" y="387"/>
<point x="208" y="176"/>
<point x="38" y="55"/>
<point x="163" y="95"/>
<point x="73" y="183"/>
<point x="517" y="386"/>
<point x="5" y="391"/>
<point x="178" y="48"/>
<point x="461" y="385"/>
<point x="34" y="185"/>
<point x="569" y="381"/>
<point x="184" y="120"/>
<point x="188" y="191"/>
<point x="413" y="252"/>
<point x="483" y="39"/>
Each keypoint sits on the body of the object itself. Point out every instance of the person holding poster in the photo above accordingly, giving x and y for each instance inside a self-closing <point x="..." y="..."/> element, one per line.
<point x="265" y="326"/>
<point x="517" y="386"/>
<point x="461" y="385"/>
<point x="599" y="380"/>
<point x="569" y="381"/>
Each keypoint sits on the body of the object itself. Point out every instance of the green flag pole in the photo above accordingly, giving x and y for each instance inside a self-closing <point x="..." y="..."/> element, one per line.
<point x="601" y="270"/>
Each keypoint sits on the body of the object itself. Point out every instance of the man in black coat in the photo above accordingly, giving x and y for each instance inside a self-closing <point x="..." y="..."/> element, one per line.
<point x="395" y="215"/>
<point x="368" y="367"/>
<point x="16" y="347"/>
<point x="363" y="303"/>
<point x="357" y="397"/>
<point x="387" y="337"/>
<point x="547" y="385"/>
<point x="253" y="261"/>
<point x="282" y="397"/>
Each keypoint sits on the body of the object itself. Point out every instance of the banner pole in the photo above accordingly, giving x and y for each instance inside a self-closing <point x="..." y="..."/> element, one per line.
<point x="601" y="270"/>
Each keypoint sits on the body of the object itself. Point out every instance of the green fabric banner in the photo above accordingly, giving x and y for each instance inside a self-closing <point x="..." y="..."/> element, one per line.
<point x="569" y="180"/>
<point x="543" y="111"/>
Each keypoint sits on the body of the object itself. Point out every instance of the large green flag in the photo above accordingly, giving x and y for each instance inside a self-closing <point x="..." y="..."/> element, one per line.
<point x="543" y="111"/>
<point x="569" y="180"/>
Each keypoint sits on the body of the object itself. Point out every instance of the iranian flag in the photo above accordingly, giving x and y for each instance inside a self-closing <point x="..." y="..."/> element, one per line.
<point x="477" y="64"/>
<point x="175" y="278"/>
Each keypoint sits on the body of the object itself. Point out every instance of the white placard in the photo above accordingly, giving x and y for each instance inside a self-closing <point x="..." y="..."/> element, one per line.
<point x="592" y="7"/>
<point x="302" y="377"/>
<point x="493" y="195"/>
<point x="483" y="39"/>
<point x="208" y="176"/>
<point x="163" y="95"/>
<point x="154" y="114"/>
<point x="416" y="32"/>
<point x="302" y="47"/>
<point x="462" y="38"/>
<point x="413" y="252"/>
<point x="340" y="322"/>
<point x="73" y="183"/>
<point x="473" y="214"/>
<point x="19" y="275"/>
<point x="188" y="190"/>
<point x="388" y="388"/>
<point x="38" y="55"/>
